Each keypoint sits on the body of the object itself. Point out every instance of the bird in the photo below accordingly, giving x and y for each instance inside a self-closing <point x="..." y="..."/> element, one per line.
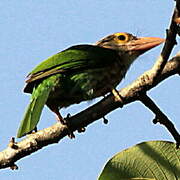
<point x="81" y="73"/>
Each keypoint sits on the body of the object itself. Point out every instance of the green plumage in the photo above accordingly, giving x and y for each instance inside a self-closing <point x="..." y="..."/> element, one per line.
<point x="64" y="79"/>
<point x="74" y="59"/>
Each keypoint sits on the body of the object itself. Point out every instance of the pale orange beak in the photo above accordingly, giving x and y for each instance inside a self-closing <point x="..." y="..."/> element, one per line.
<point x="144" y="43"/>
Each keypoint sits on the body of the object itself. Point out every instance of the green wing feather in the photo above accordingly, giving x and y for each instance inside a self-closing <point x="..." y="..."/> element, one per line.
<point x="34" y="109"/>
<point x="74" y="59"/>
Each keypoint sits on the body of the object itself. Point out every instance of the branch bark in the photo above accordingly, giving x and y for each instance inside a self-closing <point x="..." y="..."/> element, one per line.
<point x="55" y="133"/>
<point x="160" y="117"/>
<point x="169" y="43"/>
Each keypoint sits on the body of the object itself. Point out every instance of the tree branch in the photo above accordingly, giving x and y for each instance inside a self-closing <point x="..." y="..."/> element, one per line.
<point x="169" y="43"/>
<point x="55" y="133"/>
<point x="160" y="117"/>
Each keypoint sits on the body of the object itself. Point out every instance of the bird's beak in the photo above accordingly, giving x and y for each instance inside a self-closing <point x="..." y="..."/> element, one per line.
<point x="145" y="43"/>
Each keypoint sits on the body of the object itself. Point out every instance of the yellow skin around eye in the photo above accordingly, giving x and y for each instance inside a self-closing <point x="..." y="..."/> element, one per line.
<point x="116" y="39"/>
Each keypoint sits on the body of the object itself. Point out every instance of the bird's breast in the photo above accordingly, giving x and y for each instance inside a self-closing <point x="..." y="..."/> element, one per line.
<point x="86" y="85"/>
<point x="102" y="81"/>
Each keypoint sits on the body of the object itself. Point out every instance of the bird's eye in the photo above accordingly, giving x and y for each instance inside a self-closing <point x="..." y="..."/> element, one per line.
<point x="122" y="37"/>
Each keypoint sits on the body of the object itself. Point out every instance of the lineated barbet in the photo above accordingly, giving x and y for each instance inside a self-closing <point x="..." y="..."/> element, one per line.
<point x="81" y="73"/>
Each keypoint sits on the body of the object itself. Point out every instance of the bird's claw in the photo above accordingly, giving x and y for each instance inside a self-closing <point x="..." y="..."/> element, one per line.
<point x="71" y="134"/>
<point x="66" y="122"/>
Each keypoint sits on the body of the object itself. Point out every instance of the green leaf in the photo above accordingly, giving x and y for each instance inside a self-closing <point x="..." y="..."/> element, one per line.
<point x="153" y="160"/>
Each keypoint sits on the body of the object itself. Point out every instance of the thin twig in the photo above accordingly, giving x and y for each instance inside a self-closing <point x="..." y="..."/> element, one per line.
<point x="160" y="117"/>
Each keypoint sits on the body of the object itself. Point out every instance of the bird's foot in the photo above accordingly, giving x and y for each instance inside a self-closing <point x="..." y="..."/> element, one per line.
<point x="117" y="96"/>
<point x="80" y="130"/>
<point x="66" y="122"/>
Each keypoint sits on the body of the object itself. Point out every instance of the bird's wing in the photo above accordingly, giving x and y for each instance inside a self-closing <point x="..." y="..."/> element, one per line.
<point x="74" y="59"/>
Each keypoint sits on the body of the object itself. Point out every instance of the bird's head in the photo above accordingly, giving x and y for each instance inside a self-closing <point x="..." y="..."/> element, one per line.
<point x="129" y="46"/>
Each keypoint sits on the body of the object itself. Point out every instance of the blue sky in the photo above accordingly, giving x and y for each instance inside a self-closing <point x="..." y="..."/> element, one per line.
<point x="31" y="31"/>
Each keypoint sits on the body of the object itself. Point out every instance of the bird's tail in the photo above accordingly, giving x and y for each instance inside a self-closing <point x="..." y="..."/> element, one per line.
<point x="38" y="99"/>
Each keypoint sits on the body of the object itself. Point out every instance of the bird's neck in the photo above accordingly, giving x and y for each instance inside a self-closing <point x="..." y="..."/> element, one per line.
<point x="126" y="60"/>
